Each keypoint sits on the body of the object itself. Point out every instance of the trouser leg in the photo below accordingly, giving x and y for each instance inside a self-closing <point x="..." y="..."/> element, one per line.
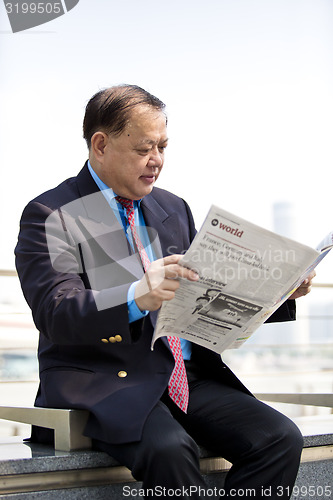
<point x="165" y="459"/>
<point x="263" y="445"/>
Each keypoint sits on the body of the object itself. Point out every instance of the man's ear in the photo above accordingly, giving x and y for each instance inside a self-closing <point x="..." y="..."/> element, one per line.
<point x="98" y="143"/>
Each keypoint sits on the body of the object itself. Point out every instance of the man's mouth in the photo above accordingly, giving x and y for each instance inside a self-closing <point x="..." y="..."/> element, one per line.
<point x="149" y="179"/>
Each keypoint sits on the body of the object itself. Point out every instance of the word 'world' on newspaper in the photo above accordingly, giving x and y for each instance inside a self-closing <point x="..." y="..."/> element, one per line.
<point x="245" y="273"/>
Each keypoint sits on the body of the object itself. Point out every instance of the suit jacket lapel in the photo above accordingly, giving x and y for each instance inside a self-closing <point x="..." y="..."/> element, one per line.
<point x="166" y="225"/>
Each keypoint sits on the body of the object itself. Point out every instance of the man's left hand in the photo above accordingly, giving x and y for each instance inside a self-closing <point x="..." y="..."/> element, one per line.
<point x="304" y="288"/>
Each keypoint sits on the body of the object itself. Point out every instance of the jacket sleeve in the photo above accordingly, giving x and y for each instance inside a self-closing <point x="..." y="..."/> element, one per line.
<point x="65" y="309"/>
<point x="286" y="312"/>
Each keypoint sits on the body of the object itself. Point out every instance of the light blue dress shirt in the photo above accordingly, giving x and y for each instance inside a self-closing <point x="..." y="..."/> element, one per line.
<point x="134" y="313"/>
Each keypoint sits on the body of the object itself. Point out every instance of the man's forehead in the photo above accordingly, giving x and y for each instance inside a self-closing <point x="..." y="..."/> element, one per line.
<point x="152" y="142"/>
<point x="147" y="126"/>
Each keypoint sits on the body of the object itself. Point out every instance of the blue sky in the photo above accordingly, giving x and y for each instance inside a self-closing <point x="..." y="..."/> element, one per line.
<point x="248" y="87"/>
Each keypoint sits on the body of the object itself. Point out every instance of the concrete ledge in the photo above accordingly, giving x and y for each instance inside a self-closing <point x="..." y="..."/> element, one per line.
<point x="35" y="471"/>
<point x="29" y="469"/>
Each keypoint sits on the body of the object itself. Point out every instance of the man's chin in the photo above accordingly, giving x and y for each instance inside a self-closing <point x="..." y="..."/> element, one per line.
<point x="144" y="191"/>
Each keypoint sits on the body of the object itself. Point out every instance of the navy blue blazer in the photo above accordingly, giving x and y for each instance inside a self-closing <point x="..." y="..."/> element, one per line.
<point x="75" y="269"/>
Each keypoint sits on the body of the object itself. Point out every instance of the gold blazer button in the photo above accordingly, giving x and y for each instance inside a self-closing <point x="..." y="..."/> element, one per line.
<point x="105" y="341"/>
<point x="118" y="338"/>
<point x="112" y="340"/>
<point x="122" y="374"/>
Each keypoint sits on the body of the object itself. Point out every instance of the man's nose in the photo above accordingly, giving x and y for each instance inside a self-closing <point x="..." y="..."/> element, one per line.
<point x="156" y="159"/>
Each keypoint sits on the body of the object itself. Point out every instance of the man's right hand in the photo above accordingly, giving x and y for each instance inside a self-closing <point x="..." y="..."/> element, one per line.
<point x="160" y="282"/>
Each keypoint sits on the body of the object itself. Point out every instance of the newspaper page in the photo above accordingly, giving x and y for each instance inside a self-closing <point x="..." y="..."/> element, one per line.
<point x="245" y="273"/>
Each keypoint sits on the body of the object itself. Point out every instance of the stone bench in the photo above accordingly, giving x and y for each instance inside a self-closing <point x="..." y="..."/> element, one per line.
<point x="71" y="470"/>
<point x="34" y="471"/>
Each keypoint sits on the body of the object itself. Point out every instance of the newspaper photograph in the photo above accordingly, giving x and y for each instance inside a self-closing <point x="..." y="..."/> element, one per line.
<point x="245" y="273"/>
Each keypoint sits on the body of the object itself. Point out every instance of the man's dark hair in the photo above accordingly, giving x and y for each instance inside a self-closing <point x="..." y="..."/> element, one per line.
<point x="110" y="109"/>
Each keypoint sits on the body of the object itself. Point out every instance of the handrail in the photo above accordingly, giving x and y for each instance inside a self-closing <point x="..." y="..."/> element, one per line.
<point x="13" y="273"/>
<point x="8" y="272"/>
<point x="297" y="398"/>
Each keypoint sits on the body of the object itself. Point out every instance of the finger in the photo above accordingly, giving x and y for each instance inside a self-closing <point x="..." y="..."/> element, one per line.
<point x="304" y="290"/>
<point x="310" y="277"/>
<point x="172" y="259"/>
<point x="169" y="285"/>
<point x="174" y="271"/>
<point x="180" y="271"/>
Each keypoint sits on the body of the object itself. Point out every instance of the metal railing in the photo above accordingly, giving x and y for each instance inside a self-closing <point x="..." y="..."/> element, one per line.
<point x="8" y="272"/>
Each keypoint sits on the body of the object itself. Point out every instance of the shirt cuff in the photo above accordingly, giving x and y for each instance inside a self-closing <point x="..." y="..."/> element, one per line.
<point x="134" y="313"/>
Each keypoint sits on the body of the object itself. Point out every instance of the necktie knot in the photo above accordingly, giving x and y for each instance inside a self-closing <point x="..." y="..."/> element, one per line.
<point x="128" y="204"/>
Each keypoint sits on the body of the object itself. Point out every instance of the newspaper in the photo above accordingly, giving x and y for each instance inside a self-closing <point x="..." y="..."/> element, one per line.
<point x="245" y="273"/>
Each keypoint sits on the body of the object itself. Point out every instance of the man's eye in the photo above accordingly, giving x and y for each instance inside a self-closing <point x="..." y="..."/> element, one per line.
<point x="143" y="151"/>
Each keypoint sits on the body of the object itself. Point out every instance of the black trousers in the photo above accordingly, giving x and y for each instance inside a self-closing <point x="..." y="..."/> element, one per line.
<point x="263" y="445"/>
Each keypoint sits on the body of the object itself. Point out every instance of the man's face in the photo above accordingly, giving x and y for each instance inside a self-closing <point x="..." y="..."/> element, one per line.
<point x="133" y="160"/>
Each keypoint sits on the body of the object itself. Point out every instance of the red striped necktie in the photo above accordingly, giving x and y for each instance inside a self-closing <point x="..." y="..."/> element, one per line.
<point x="178" y="385"/>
